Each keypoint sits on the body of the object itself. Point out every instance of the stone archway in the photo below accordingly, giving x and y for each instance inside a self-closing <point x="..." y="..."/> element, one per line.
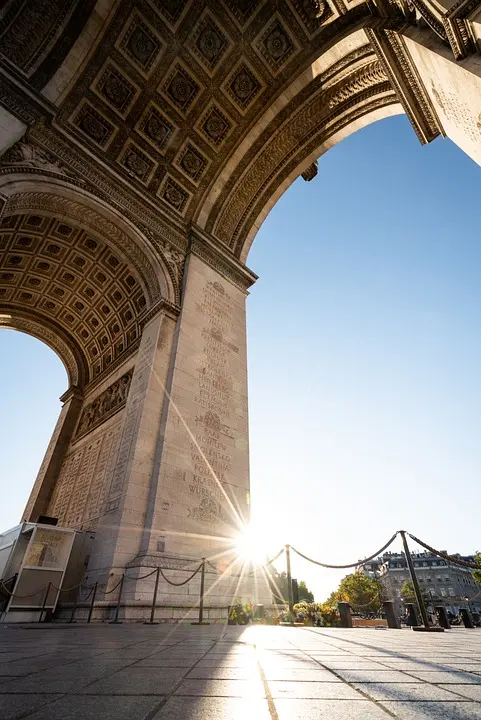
<point x="149" y="140"/>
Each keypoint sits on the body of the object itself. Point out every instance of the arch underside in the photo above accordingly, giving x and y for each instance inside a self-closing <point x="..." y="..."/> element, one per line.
<point x="74" y="279"/>
<point x="184" y="115"/>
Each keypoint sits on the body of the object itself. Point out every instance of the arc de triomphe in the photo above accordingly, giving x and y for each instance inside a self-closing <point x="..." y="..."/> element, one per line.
<point x="142" y="144"/>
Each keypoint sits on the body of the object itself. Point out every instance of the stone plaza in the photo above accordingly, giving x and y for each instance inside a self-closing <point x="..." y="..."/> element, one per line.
<point x="136" y="672"/>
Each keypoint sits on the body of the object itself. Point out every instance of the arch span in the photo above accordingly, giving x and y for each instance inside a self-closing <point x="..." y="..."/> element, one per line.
<point x="74" y="275"/>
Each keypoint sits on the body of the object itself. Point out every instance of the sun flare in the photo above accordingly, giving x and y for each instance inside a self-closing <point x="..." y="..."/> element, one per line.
<point x="251" y="545"/>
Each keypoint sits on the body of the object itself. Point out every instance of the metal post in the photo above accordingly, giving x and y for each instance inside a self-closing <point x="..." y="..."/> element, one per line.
<point x="117" y="609"/>
<point x="201" y="599"/>
<point x="154" y="600"/>
<point x="92" y="602"/>
<point x="75" y="605"/>
<point x="289" y="578"/>
<point x="417" y="591"/>
<point x="44" y="601"/>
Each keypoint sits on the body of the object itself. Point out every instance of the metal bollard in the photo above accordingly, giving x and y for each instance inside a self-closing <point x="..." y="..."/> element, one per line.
<point x="467" y="619"/>
<point x="44" y="601"/>
<point x="117" y="609"/>
<point x="75" y="605"/>
<point x="345" y="613"/>
<point x="154" y="600"/>
<point x="442" y="617"/>
<point x="201" y="599"/>
<point x="92" y="602"/>
<point x="391" y="615"/>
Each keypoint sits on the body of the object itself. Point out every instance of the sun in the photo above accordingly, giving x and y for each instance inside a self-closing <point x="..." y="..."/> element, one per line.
<point x="251" y="545"/>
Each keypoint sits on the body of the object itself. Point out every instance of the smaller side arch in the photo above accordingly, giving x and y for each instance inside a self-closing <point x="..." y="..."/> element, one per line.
<point x="63" y="346"/>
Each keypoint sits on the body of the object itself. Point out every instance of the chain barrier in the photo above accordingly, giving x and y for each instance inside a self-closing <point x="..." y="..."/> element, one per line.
<point x="160" y="571"/>
<point x="181" y="583"/>
<point x="445" y="556"/>
<point x="351" y="565"/>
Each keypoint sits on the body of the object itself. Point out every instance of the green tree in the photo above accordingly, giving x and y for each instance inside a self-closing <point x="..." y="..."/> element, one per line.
<point x="280" y="590"/>
<point x="477" y="573"/>
<point x="360" y="591"/>
<point x="409" y="596"/>
<point x="304" y="593"/>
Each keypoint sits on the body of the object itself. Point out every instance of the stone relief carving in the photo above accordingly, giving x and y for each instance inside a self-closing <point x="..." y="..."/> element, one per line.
<point x="26" y="155"/>
<point x="105" y="405"/>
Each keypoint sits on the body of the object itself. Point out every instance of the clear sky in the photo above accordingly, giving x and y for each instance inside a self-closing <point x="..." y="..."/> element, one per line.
<point x="364" y="358"/>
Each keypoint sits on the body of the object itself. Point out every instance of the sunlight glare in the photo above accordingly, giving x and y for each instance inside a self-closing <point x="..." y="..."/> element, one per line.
<point x="251" y="545"/>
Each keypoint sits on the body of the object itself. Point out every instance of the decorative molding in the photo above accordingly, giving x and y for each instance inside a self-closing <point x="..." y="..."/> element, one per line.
<point x="164" y="307"/>
<point x="120" y="197"/>
<point x="457" y="29"/>
<point x="220" y="260"/>
<point x="26" y="156"/>
<point x="301" y="123"/>
<point x="109" y="402"/>
<point x="23" y="103"/>
<point x="392" y="53"/>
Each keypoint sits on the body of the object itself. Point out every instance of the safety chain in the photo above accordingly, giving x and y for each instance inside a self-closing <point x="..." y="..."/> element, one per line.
<point x="445" y="556"/>
<point x="181" y="583"/>
<point x="356" y="564"/>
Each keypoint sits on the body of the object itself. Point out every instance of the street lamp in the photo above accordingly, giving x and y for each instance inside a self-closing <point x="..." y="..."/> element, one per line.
<point x="468" y="603"/>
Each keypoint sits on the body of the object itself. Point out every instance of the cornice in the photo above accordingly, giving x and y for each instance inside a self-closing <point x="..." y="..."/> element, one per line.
<point x="164" y="307"/>
<point x="391" y="51"/>
<point x="20" y="99"/>
<point x="220" y="259"/>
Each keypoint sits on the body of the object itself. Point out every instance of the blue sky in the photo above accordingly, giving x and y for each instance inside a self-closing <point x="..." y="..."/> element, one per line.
<point x="364" y="358"/>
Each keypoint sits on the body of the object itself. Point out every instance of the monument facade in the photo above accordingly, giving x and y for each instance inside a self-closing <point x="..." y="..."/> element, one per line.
<point x="142" y="145"/>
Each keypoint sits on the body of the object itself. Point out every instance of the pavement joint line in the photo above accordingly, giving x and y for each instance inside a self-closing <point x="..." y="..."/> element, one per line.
<point x="270" y="700"/>
<point x="351" y="685"/>
<point x="165" y="698"/>
<point x="62" y="695"/>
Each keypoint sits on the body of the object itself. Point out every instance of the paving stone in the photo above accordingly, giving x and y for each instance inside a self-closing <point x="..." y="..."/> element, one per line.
<point x="283" y="673"/>
<point x="213" y="708"/>
<point x="447" y="676"/>
<point x="77" y="707"/>
<point x="433" y="710"/>
<point x="355" y="664"/>
<point x="405" y="691"/>
<point x="13" y="706"/>
<point x="168" y="661"/>
<point x="240" y="661"/>
<point x="222" y="688"/>
<point x="334" y="691"/>
<point x="375" y="676"/>
<point x="329" y="710"/>
<point x="470" y="691"/>
<point x="64" y="679"/>
<point x="136" y="681"/>
<point x="224" y="673"/>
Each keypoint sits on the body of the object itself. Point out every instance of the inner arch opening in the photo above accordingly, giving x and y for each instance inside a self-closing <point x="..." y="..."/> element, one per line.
<point x="32" y="379"/>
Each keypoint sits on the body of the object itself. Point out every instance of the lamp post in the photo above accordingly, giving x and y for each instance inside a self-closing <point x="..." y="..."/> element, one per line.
<point x="468" y="603"/>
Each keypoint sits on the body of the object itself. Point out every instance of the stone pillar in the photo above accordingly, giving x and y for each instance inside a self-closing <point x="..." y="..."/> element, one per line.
<point x="199" y="495"/>
<point x="452" y="86"/>
<point x="52" y="462"/>
<point x="120" y="530"/>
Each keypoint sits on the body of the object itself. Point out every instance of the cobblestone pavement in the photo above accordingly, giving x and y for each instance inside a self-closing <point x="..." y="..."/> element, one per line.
<point x="179" y="672"/>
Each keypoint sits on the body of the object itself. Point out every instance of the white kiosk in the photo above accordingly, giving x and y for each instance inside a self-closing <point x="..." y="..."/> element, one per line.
<point x="33" y="562"/>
